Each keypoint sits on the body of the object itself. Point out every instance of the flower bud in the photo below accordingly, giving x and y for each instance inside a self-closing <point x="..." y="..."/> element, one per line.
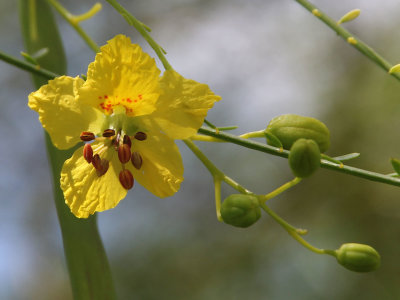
<point x="358" y="257"/>
<point x="304" y="158"/>
<point x="289" y="128"/>
<point x="240" y="210"/>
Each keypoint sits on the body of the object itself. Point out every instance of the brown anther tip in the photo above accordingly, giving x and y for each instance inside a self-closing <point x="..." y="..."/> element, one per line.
<point x="104" y="164"/>
<point x="140" y="136"/>
<point x="124" y="153"/>
<point x="126" y="179"/>
<point x="127" y="140"/>
<point x="87" y="136"/>
<point x="88" y="153"/>
<point x="136" y="160"/>
<point x="109" y="132"/>
<point x="96" y="161"/>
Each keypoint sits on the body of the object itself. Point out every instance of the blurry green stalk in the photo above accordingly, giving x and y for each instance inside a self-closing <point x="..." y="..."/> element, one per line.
<point x="87" y="262"/>
<point x="355" y="42"/>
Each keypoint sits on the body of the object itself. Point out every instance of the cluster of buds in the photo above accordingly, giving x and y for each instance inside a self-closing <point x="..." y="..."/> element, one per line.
<point x="305" y="137"/>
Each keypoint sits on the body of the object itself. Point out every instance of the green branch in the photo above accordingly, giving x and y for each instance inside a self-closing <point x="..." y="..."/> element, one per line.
<point x="373" y="176"/>
<point x="74" y="21"/>
<point x="143" y="30"/>
<point x="349" y="38"/>
<point x="34" y="69"/>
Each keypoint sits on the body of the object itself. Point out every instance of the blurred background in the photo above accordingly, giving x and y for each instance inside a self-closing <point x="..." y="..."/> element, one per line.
<point x="265" y="58"/>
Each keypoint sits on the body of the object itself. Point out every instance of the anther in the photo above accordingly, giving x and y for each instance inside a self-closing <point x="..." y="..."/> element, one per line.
<point x="140" y="136"/>
<point x="88" y="153"/>
<point x="124" y="153"/>
<point x="87" y="136"/>
<point x="104" y="164"/>
<point x="126" y="179"/>
<point x="109" y="132"/>
<point x="127" y="140"/>
<point x="136" y="160"/>
<point x="96" y="161"/>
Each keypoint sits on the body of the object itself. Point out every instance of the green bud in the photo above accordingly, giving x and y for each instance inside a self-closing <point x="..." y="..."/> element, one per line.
<point x="358" y="257"/>
<point x="289" y="128"/>
<point x="304" y="158"/>
<point x="240" y="210"/>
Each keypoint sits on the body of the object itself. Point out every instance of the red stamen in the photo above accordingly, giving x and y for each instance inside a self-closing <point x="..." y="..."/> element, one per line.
<point x="126" y="179"/>
<point x="127" y="140"/>
<point x="136" y="160"/>
<point x="124" y="153"/>
<point x="87" y="136"/>
<point x="88" y="153"/>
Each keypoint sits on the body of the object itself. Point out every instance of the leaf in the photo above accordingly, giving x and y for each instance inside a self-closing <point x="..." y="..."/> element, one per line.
<point x="351" y="15"/>
<point x="347" y="156"/>
<point x="86" y="259"/>
<point x="272" y="140"/>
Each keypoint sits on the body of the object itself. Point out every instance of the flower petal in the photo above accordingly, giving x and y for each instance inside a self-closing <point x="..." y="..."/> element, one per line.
<point x="162" y="170"/>
<point x="84" y="191"/>
<point x="183" y="106"/>
<point x="122" y="75"/>
<point x="63" y="117"/>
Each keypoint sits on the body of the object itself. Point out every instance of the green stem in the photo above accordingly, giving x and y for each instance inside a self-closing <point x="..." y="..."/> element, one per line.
<point x="87" y="262"/>
<point x="373" y="176"/>
<point x="35" y="69"/>
<point x="71" y="19"/>
<point x="294" y="232"/>
<point x="217" y="192"/>
<point x="355" y="42"/>
<point x="143" y="30"/>
<point x="279" y="190"/>
<point x="215" y="172"/>
<point x="204" y="159"/>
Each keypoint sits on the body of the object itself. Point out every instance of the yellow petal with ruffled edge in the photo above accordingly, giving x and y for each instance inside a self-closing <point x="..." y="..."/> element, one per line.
<point x="84" y="191"/>
<point x="184" y="104"/>
<point x="63" y="117"/>
<point x="122" y="74"/>
<point x="162" y="170"/>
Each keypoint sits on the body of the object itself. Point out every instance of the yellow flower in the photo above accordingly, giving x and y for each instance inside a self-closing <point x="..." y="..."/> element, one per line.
<point x="128" y="116"/>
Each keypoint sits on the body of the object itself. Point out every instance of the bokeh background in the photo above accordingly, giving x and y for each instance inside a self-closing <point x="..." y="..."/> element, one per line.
<point x="265" y="58"/>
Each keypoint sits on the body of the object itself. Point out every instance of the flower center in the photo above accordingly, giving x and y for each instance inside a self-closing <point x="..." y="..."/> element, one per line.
<point x="118" y="143"/>
<point x="109" y="102"/>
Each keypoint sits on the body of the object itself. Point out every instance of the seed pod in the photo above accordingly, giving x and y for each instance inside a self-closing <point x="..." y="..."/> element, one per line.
<point x="358" y="257"/>
<point x="304" y="158"/>
<point x="240" y="210"/>
<point x="289" y="128"/>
